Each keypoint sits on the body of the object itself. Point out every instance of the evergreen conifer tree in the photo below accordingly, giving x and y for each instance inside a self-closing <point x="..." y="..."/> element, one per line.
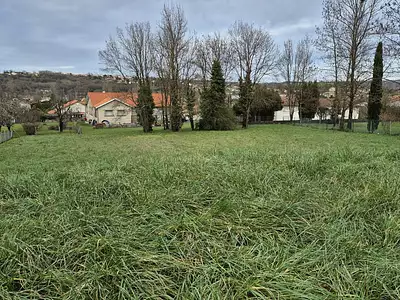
<point x="375" y="94"/>
<point x="145" y="107"/>
<point x="215" y="113"/>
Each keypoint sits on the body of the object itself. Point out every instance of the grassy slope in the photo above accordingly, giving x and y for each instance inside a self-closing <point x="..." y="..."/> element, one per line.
<point x="275" y="212"/>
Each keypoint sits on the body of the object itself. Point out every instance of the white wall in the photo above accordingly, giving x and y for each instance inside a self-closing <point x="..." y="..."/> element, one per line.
<point x="77" y="108"/>
<point x="114" y="106"/>
<point x="284" y="115"/>
<point x="90" y="111"/>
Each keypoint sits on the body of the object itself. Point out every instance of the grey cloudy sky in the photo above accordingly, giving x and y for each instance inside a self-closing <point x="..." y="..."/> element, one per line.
<point x="66" y="35"/>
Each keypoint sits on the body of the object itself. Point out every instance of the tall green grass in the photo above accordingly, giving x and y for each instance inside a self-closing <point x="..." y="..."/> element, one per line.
<point x="389" y="128"/>
<point x="273" y="212"/>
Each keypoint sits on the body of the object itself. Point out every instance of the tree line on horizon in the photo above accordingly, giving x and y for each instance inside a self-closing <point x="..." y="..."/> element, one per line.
<point x="347" y="40"/>
<point x="178" y="58"/>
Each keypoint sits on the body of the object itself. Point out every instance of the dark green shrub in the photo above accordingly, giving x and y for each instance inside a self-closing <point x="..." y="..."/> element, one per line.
<point x="29" y="128"/>
<point x="226" y="120"/>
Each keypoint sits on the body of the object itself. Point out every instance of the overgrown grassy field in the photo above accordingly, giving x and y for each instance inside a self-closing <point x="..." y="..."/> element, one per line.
<point x="273" y="212"/>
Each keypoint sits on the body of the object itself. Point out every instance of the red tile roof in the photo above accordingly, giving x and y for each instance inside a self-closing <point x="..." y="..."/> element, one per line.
<point x="325" y="102"/>
<point x="69" y="103"/>
<point x="395" y="98"/>
<point x="98" y="99"/>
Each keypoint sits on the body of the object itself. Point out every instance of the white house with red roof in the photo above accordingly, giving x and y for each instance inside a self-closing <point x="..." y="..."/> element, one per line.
<point x="75" y="107"/>
<point x="117" y="108"/>
<point x="113" y="108"/>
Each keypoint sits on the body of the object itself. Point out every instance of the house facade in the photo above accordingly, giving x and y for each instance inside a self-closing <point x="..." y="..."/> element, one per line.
<point x="326" y="103"/>
<point x="75" y="108"/>
<point x="284" y="114"/>
<point x="117" y="108"/>
<point x="112" y="108"/>
<point x="330" y="93"/>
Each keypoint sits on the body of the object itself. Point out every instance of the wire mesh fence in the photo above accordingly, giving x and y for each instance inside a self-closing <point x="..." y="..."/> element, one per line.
<point x="5" y="136"/>
<point x="360" y="126"/>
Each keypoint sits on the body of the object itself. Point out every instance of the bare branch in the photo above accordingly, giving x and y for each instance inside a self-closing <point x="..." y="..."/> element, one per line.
<point x="253" y="51"/>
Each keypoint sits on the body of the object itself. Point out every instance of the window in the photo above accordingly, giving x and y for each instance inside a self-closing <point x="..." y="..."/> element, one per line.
<point x="109" y="113"/>
<point x="121" y="113"/>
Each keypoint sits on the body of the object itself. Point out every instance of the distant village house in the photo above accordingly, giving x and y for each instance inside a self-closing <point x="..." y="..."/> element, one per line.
<point x="118" y="108"/>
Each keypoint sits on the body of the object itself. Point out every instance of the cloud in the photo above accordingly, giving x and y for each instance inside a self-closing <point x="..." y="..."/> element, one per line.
<point x="66" y="67"/>
<point x="70" y="33"/>
<point x="289" y="29"/>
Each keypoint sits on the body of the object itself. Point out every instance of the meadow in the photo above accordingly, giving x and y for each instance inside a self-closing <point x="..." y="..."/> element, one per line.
<point x="272" y="212"/>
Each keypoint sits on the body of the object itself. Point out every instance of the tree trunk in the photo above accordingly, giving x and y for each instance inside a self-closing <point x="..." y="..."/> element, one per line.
<point x="370" y="126"/>
<point x="191" y="122"/>
<point x="376" y="124"/>
<point x="352" y="82"/>
<point x="336" y="99"/>
<point x="341" y="123"/>
<point x="176" y="117"/>
<point x="336" y="103"/>
<point x="166" y="118"/>
<point x="61" y="125"/>
<point x="245" y="122"/>
<point x="146" y="123"/>
<point x="163" y="115"/>
<point x="165" y="109"/>
<point x="350" y="120"/>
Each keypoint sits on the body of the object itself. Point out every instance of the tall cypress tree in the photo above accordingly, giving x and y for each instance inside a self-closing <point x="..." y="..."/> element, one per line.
<point x="215" y="113"/>
<point x="190" y="103"/>
<point x="376" y="91"/>
<point x="245" y="98"/>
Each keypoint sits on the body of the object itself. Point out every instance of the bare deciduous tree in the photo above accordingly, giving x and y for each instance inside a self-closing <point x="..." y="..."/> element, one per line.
<point x="354" y="22"/>
<point x="6" y="107"/>
<point x="189" y="69"/>
<point x="304" y="60"/>
<point x="254" y="54"/>
<point x="131" y="55"/>
<point x="173" y="43"/>
<point x="328" y="43"/>
<point x="210" y="48"/>
<point x="58" y="99"/>
<point x="10" y="104"/>
<point x="391" y="25"/>
<point x="296" y="67"/>
<point x="288" y="72"/>
<point x="161" y="69"/>
<point x="202" y="60"/>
